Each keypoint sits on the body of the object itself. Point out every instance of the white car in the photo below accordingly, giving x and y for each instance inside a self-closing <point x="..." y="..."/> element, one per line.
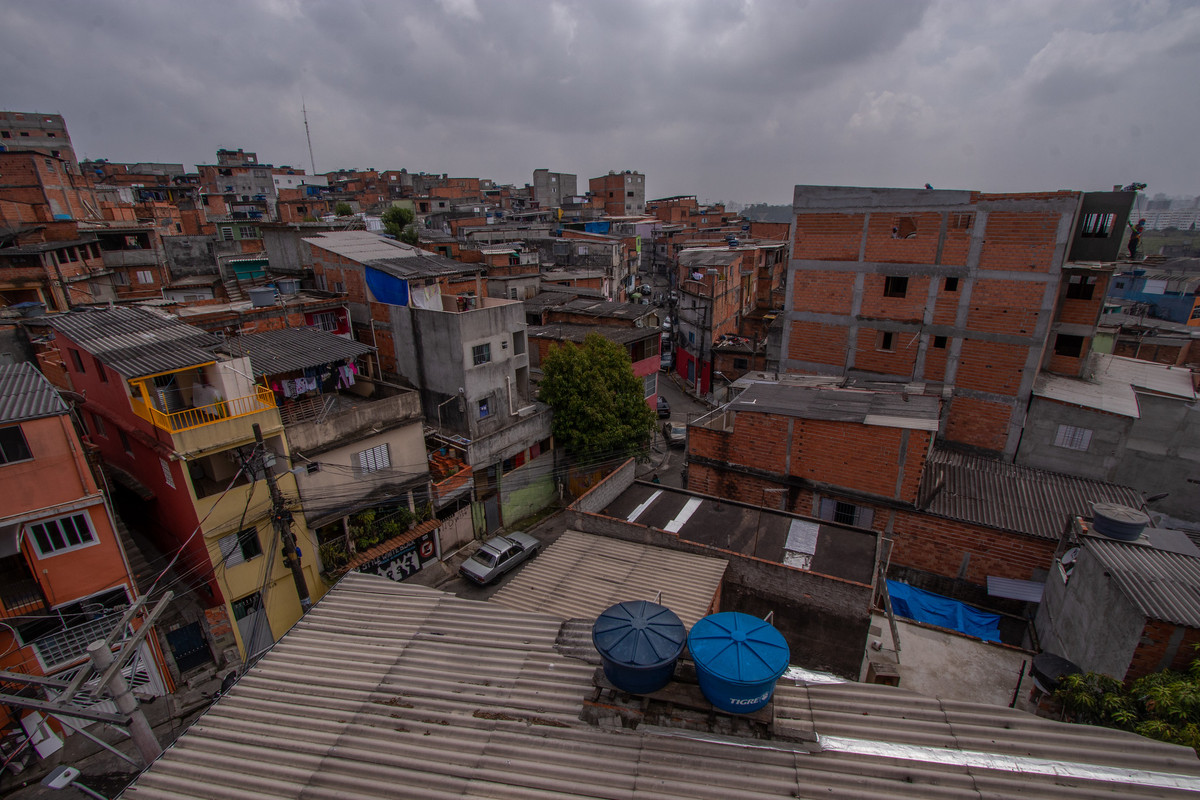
<point x="498" y="555"/>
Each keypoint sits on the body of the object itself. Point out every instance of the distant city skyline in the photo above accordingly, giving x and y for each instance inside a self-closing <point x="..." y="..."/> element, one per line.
<point x="728" y="101"/>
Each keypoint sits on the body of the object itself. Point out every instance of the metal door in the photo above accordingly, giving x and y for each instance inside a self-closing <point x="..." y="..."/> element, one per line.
<point x="188" y="647"/>
<point x="252" y="624"/>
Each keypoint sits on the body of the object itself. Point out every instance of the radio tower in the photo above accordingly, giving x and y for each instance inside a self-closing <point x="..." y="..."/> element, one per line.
<point x="307" y="135"/>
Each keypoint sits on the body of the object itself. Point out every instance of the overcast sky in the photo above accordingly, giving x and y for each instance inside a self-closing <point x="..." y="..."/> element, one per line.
<point x="735" y="101"/>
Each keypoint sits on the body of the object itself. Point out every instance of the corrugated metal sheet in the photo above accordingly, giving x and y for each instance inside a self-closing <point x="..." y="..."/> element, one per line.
<point x="1113" y="385"/>
<point x="26" y="394"/>
<point x="290" y="349"/>
<point x="361" y="246"/>
<point x="890" y="409"/>
<point x="423" y="265"/>
<point x="581" y="575"/>
<point x="1008" y="497"/>
<point x="389" y="690"/>
<point x="1164" y="585"/>
<point x="136" y="342"/>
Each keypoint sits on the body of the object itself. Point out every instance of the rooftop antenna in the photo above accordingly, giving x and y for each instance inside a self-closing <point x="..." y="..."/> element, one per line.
<point x="304" y="111"/>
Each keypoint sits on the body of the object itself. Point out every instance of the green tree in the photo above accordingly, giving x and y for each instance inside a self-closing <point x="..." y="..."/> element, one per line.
<point x="1164" y="705"/>
<point x="398" y="222"/>
<point x="600" y="410"/>
<point x="343" y="210"/>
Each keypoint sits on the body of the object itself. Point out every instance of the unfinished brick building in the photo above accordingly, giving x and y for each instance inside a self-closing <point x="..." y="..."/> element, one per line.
<point x="970" y="294"/>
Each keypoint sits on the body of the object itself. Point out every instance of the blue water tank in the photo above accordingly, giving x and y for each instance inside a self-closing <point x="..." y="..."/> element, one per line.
<point x="738" y="659"/>
<point x="639" y="643"/>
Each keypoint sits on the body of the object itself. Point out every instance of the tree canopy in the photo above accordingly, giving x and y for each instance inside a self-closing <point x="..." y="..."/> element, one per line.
<point x="398" y="222"/>
<point x="599" y="405"/>
<point x="1164" y="705"/>
<point x="343" y="210"/>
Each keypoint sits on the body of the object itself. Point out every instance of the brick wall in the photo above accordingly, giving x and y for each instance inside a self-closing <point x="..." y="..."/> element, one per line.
<point x="888" y="237"/>
<point x="1008" y="307"/>
<point x="1020" y="240"/>
<point x="828" y="237"/>
<point x="991" y="367"/>
<point x="978" y="423"/>
<point x="818" y="343"/>
<point x="828" y="292"/>
<point x="1155" y="646"/>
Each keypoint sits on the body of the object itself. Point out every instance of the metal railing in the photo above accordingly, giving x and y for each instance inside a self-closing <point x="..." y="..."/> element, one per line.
<point x="20" y="598"/>
<point x="262" y="400"/>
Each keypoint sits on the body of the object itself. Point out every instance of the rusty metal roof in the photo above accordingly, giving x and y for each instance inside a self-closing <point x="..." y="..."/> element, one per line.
<point x="26" y="394"/>
<point x="388" y="690"/>
<point x="1162" y="584"/>
<point x="999" y="495"/>
<point x="289" y="349"/>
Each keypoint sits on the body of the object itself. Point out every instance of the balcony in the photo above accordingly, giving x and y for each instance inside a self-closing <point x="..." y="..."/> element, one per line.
<point x="319" y="423"/>
<point x="20" y="593"/>
<point x="188" y="419"/>
<point x="129" y="258"/>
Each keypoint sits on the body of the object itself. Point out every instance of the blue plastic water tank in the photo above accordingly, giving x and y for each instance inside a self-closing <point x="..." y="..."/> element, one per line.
<point x="639" y="643"/>
<point x="738" y="659"/>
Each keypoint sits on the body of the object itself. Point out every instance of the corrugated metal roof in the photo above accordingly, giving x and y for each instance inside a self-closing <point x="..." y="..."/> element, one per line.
<point x="1113" y="385"/>
<point x="136" y="342"/>
<point x="573" y="332"/>
<point x="888" y="409"/>
<point x="1164" y="585"/>
<point x="1005" y="496"/>
<point x="423" y="265"/>
<point x="581" y="575"/>
<point x="361" y="246"/>
<point x="606" y="309"/>
<point x="389" y="690"/>
<point x="290" y="349"/>
<point x="26" y="394"/>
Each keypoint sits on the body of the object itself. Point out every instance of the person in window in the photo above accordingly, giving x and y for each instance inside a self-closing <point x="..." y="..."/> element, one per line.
<point x="1135" y="238"/>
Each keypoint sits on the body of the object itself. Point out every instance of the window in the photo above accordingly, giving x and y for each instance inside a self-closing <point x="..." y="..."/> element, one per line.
<point x="518" y="339"/>
<point x="327" y="321"/>
<point x="5" y="135"/>
<point x="939" y="342"/>
<point x="51" y="135"/>
<point x="226" y="233"/>
<point x="1097" y="226"/>
<point x="372" y="460"/>
<point x="481" y="353"/>
<point x="650" y="385"/>
<point x="100" y="370"/>
<point x="904" y="228"/>
<point x="125" y="443"/>
<point x="951" y="284"/>
<point x="1119" y="284"/>
<point x="1072" y="438"/>
<point x="120" y="279"/>
<point x="741" y="363"/>
<point x="12" y="445"/>
<point x="77" y="360"/>
<point x="62" y="534"/>
<point x="886" y="341"/>
<point x="339" y="287"/>
<point x="98" y="426"/>
<point x="145" y="276"/>
<point x="962" y="222"/>
<point x="484" y="409"/>
<point x="895" y="286"/>
<point x="168" y="478"/>
<point x="238" y="548"/>
<point x="845" y="513"/>
<point x="1080" y="287"/>
<point x="1066" y="345"/>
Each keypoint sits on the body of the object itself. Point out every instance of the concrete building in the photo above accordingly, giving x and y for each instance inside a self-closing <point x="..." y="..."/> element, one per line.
<point x="174" y="423"/>
<point x="550" y="188"/>
<point x="642" y="345"/>
<point x="45" y="133"/>
<point x="1127" y="421"/>
<point x="1123" y="608"/>
<point x="969" y="294"/>
<point x="623" y="193"/>
<point x="464" y="352"/>
<point x="64" y="578"/>
<point x="1167" y="289"/>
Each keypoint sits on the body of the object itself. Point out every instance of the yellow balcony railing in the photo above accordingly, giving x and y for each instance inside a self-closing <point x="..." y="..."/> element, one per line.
<point x="263" y="399"/>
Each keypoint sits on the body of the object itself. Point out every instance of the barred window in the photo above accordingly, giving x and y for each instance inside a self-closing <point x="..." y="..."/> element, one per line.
<point x="1072" y="438"/>
<point x="62" y="534"/>
<point x="372" y="460"/>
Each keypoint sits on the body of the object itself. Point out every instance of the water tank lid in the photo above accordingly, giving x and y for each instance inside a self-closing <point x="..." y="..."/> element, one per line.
<point x="638" y="633"/>
<point x="739" y="647"/>
<point x="1120" y="513"/>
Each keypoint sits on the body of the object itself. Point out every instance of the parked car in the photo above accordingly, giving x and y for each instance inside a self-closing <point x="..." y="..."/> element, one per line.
<point x="675" y="433"/>
<point x="666" y="361"/>
<point x="666" y="323"/>
<point x="664" y="408"/>
<point x="498" y="555"/>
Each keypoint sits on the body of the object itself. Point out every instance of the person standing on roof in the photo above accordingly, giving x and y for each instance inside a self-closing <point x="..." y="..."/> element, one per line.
<point x="1135" y="238"/>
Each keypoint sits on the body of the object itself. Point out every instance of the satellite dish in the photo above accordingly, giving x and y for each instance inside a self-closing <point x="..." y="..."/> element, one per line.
<point x="1070" y="556"/>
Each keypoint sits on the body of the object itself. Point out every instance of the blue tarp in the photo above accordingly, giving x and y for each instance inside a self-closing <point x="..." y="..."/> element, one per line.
<point x="387" y="288"/>
<point x="913" y="603"/>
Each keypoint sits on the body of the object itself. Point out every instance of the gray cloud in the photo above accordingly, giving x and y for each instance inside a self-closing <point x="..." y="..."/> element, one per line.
<point x="726" y="100"/>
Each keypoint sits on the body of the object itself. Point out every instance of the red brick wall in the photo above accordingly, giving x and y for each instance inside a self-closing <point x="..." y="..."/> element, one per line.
<point x="827" y="292"/>
<point x="978" y="423"/>
<point x="1010" y="307"/>
<point x="937" y="545"/>
<point x="920" y="248"/>
<point x="1019" y="241"/>
<point x="900" y="360"/>
<point x="828" y="237"/>
<point x="911" y="307"/>
<point x="990" y="367"/>
<point x="1152" y="649"/>
<point x="935" y="360"/>
<point x="812" y="341"/>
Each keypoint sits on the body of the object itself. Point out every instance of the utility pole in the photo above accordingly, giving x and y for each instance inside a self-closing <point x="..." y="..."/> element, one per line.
<point x="139" y="728"/>
<point x="281" y="518"/>
<point x="312" y="161"/>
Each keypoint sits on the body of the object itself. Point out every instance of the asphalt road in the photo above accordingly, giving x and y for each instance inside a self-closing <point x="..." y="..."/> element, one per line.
<point x="667" y="461"/>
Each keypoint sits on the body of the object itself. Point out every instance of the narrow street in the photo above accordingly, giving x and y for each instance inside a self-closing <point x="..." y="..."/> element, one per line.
<point x="667" y="461"/>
